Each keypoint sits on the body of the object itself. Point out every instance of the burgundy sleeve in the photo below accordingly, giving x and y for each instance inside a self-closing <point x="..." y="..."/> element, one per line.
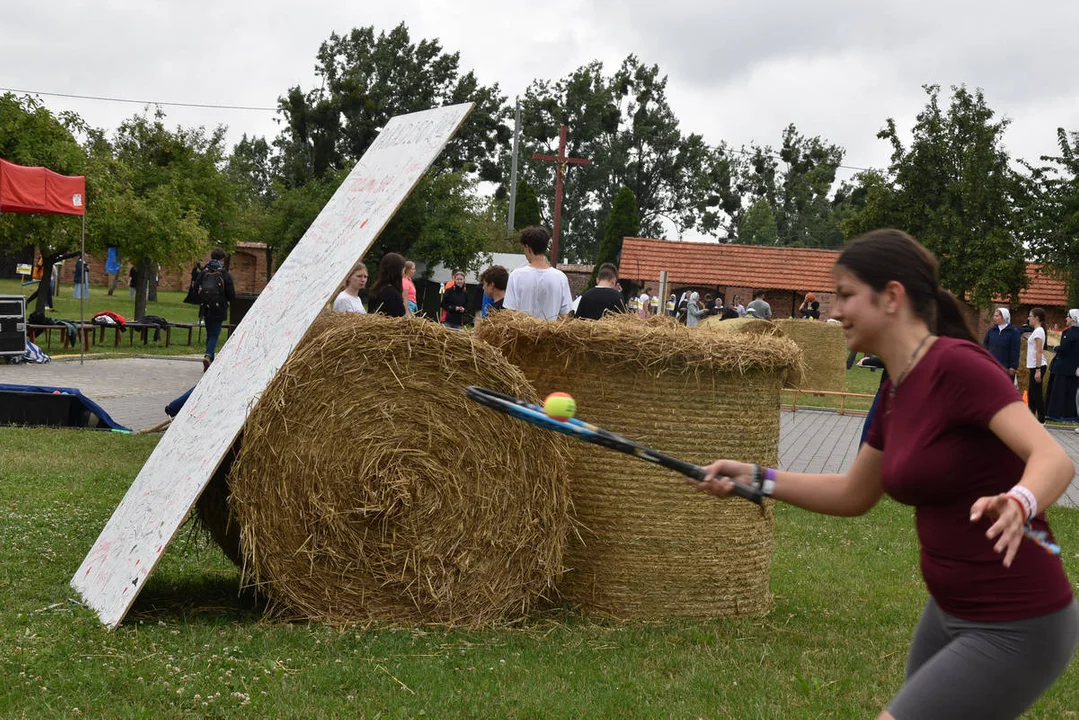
<point x="974" y="386"/>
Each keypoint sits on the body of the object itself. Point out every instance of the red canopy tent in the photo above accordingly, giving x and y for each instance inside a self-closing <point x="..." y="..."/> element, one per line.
<point x="40" y="190"/>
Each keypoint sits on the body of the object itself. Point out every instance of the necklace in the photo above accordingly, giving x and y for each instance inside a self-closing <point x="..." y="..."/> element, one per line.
<point x="913" y="357"/>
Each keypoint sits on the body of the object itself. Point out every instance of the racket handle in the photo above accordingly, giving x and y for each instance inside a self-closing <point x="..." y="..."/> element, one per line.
<point x="741" y="490"/>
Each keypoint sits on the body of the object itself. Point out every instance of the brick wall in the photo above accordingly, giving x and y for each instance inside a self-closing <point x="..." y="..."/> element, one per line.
<point x="247" y="264"/>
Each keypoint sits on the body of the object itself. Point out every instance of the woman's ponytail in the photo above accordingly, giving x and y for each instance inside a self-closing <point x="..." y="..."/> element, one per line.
<point x="951" y="321"/>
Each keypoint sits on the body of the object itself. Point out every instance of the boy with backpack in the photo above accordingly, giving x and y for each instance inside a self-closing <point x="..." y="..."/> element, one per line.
<point x="216" y="291"/>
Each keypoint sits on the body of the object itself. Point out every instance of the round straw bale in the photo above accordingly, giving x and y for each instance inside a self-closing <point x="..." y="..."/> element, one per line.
<point x="1022" y="374"/>
<point x="214" y="511"/>
<point x="824" y="347"/>
<point x="650" y="546"/>
<point x="370" y="489"/>
<point x="752" y="326"/>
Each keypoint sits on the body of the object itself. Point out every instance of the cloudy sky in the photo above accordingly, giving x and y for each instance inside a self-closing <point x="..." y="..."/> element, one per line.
<point x="738" y="71"/>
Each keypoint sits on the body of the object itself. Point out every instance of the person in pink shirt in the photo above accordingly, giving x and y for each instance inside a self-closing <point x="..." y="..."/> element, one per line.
<point x="409" y="286"/>
<point x="952" y="438"/>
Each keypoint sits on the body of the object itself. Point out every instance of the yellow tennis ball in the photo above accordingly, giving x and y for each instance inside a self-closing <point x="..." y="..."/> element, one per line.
<point x="560" y="406"/>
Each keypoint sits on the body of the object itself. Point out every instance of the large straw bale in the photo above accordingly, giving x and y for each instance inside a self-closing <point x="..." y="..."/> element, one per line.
<point x="751" y="326"/>
<point x="649" y="545"/>
<point x="1022" y="375"/>
<point x="369" y="489"/>
<point x="824" y="347"/>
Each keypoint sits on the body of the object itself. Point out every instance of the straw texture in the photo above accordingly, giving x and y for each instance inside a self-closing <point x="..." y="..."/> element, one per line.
<point x="751" y="326"/>
<point x="369" y="489"/>
<point x="824" y="347"/>
<point x="650" y="545"/>
<point x="1022" y="374"/>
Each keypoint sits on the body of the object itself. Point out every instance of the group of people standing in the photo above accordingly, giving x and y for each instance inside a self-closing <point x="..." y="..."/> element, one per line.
<point x="538" y="288"/>
<point x="393" y="294"/>
<point x="1051" y="388"/>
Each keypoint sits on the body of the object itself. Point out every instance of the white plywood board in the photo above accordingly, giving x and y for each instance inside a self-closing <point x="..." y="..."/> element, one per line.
<point x="161" y="497"/>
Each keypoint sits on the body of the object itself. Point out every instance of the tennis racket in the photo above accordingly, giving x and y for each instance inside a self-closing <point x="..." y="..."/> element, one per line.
<point x="530" y="412"/>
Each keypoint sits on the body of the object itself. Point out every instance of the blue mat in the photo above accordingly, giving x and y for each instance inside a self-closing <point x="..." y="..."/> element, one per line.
<point x="89" y="405"/>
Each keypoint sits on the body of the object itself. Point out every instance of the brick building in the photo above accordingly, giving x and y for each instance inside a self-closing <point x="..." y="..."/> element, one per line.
<point x="249" y="265"/>
<point x="787" y="274"/>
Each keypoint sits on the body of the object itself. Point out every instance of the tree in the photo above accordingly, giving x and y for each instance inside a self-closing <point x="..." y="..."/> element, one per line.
<point x="758" y="225"/>
<point x="165" y="197"/>
<point x="955" y="191"/>
<point x="805" y="213"/>
<point x="622" y="222"/>
<point x="788" y="189"/>
<point x="526" y="210"/>
<point x="442" y="221"/>
<point x="31" y="135"/>
<point x="366" y="80"/>
<point x="625" y="126"/>
<point x="1051" y="216"/>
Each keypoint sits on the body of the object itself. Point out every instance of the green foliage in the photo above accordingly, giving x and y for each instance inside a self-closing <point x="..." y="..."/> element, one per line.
<point x="622" y="222"/>
<point x="625" y="126"/>
<point x="758" y="225"/>
<point x="364" y="80"/>
<point x="526" y="209"/>
<point x="295" y="208"/>
<point x="164" y="196"/>
<point x="954" y="190"/>
<point x="1052" y="216"/>
<point x="789" y="189"/>
<point x="31" y="135"/>
<point x="442" y="221"/>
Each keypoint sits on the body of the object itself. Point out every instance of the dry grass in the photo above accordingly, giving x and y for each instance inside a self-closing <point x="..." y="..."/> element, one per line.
<point x="647" y="547"/>
<point x="369" y="489"/>
<point x="824" y="347"/>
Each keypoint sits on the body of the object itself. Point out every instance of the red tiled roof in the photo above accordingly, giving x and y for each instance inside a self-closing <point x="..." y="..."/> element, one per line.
<point x="1043" y="289"/>
<point x="776" y="268"/>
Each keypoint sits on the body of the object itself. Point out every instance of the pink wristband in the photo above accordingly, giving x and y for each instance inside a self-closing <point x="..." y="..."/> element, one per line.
<point x="1027" y="498"/>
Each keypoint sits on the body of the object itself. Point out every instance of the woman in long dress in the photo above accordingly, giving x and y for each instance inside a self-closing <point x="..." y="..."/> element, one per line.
<point x="1063" y="382"/>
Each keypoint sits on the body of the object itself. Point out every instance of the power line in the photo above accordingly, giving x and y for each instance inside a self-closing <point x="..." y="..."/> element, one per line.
<point x="273" y="109"/>
<point x="142" y="102"/>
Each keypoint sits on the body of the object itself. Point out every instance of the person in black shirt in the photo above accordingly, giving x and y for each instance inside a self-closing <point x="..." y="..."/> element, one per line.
<point x="494" y="280"/>
<point x="387" y="294"/>
<point x="604" y="297"/>
<point x="455" y="301"/>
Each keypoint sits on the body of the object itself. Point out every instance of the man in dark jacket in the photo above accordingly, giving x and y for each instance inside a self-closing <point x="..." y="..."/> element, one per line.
<point x="1002" y="341"/>
<point x="216" y="291"/>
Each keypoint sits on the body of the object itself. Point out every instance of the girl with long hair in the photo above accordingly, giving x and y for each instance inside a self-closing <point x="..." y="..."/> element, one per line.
<point x="952" y="438"/>
<point x="387" y="294"/>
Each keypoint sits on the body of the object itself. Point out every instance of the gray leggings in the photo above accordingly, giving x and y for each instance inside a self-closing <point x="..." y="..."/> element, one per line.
<point x="960" y="669"/>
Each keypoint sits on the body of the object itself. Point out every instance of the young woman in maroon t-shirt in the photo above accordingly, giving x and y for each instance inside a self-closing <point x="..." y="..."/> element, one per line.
<point x="952" y="438"/>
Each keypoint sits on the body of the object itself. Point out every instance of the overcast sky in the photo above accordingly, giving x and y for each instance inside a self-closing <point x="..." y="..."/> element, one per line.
<point x="737" y="71"/>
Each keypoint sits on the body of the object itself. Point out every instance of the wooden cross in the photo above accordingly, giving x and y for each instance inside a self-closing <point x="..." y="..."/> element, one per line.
<point x="560" y="161"/>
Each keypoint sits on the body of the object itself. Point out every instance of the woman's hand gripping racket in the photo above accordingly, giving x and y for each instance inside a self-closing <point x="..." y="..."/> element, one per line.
<point x="530" y="412"/>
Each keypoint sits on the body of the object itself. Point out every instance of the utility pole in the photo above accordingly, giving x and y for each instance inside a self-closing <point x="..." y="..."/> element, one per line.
<point x="510" y="227"/>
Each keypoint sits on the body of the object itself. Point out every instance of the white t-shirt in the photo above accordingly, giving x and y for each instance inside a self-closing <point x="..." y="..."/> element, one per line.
<point x="540" y="293"/>
<point x="347" y="303"/>
<point x="1032" y="352"/>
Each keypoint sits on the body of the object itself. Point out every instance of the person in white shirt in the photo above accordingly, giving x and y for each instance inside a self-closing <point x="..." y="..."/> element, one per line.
<point x="348" y="300"/>
<point x="644" y="303"/>
<point x="538" y="289"/>
<point x="1036" y="363"/>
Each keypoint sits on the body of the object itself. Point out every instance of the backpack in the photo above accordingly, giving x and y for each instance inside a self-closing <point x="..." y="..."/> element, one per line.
<point x="212" y="292"/>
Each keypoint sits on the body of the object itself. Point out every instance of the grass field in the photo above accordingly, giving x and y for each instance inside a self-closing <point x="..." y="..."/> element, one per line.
<point x="169" y="305"/>
<point x="847" y="594"/>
